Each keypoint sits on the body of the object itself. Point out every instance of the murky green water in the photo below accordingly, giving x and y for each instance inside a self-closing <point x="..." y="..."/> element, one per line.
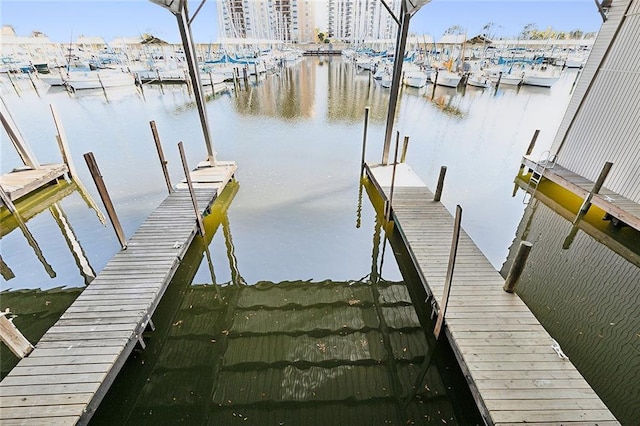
<point x="292" y="220"/>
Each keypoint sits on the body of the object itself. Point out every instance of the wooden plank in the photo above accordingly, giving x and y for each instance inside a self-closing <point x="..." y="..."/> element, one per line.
<point x="49" y="379"/>
<point x="48" y="411"/>
<point x="34" y="400"/>
<point x="55" y="390"/>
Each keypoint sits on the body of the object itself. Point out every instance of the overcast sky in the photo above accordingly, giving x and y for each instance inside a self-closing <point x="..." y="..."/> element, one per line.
<point x="63" y="20"/>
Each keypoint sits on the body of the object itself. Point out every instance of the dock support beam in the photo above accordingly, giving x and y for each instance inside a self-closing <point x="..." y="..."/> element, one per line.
<point x="517" y="267"/>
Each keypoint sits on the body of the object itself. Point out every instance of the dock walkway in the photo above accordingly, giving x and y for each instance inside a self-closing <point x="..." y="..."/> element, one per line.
<point x="507" y="357"/>
<point x="72" y="367"/>
<point x="612" y="203"/>
<point x="21" y="182"/>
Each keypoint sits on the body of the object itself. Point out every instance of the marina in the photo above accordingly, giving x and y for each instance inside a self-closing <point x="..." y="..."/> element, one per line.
<point x="287" y="297"/>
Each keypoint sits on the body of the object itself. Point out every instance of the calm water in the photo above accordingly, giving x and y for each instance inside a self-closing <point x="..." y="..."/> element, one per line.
<point x="297" y="136"/>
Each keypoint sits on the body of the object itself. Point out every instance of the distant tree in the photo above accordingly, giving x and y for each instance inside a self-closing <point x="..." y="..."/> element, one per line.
<point x="528" y="31"/>
<point x="576" y="34"/>
<point x="321" y="37"/>
<point x="487" y="30"/>
<point x="455" y="29"/>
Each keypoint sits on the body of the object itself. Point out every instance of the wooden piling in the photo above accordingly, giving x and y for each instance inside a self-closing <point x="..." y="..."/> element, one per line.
<point x="25" y="153"/>
<point x="405" y="145"/>
<point x="364" y="139"/>
<point x="517" y="267"/>
<point x="245" y="77"/>
<point x="33" y="84"/>
<point x="449" y="277"/>
<point x="13" y="83"/>
<point x="393" y="179"/>
<point x="596" y="188"/>
<point x="13" y="338"/>
<point x="163" y="162"/>
<point x="435" y="83"/>
<point x="438" y="193"/>
<point x="187" y="174"/>
<point x="498" y="83"/>
<point x="61" y="138"/>
<point x="533" y="142"/>
<point x="106" y="199"/>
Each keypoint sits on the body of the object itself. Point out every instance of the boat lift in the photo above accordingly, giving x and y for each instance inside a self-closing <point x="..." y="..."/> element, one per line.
<point x="408" y="8"/>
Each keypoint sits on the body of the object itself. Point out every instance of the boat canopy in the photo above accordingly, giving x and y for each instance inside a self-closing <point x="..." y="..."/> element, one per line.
<point x="412" y="6"/>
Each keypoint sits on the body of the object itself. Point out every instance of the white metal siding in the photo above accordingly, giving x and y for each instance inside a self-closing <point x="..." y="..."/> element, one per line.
<point x="602" y="122"/>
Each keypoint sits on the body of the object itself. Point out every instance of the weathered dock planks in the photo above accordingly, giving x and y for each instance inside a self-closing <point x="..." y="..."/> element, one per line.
<point x="614" y="204"/>
<point x="513" y="371"/>
<point x="21" y="182"/>
<point x="72" y="367"/>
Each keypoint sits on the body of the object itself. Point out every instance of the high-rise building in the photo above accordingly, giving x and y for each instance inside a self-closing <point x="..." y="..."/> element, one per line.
<point x="359" y="20"/>
<point x="291" y="21"/>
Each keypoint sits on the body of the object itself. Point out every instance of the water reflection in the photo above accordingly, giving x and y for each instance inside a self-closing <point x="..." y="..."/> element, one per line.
<point x="49" y="198"/>
<point x="581" y="282"/>
<point x="292" y="352"/>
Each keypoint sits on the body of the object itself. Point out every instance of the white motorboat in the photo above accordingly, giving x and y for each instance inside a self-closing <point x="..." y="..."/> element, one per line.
<point x="97" y="80"/>
<point x="477" y="79"/>
<point x="445" y="78"/>
<point x="415" y="79"/>
<point x="541" y="78"/>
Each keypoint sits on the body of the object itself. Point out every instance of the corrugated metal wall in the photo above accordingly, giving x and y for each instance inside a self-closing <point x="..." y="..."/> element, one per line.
<point x="602" y="122"/>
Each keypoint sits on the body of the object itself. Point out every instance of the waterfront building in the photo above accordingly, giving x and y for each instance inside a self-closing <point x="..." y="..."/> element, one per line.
<point x="289" y="21"/>
<point x="601" y="122"/>
<point x="351" y="20"/>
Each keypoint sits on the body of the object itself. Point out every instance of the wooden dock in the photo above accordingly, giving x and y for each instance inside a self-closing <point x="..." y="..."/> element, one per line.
<point x="514" y="373"/>
<point x="612" y="203"/>
<point x="72" y="367"/>
<point x="21" y="182"/>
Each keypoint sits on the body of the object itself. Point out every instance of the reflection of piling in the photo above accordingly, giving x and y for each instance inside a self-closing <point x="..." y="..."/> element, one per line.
<point x="575" y="80"/>
<point x="245" y="77"/>
<point x="517" y="267"/>
<point x="33" y="84"/>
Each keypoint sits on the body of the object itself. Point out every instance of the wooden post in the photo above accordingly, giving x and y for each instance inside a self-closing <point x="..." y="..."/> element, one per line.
<point x="245" y="77"/>
<point x="435" y="83"/>
<point x="106" y="199"/>
<point x="12" y="337"/>
<point x="393" y="179"/>
<point x="101" y="83"/>
<point x="33" y="84"/>
<point x="449" y="278"/>
<point x="62" y="143"/>
<point x="498" y="83"/>
<point x="517" y="267"/>
<point x="163" y="162"/>
<point x="13" y="83"/>
<point x="185" y="166"/>
<point x="25" y="153"/>
<point x="596" y="188"/>
<point x="364" y="139"/>
<point x="533" y="142"/>
<point x="438" y="194"/>
<point x="405" y="145"/>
